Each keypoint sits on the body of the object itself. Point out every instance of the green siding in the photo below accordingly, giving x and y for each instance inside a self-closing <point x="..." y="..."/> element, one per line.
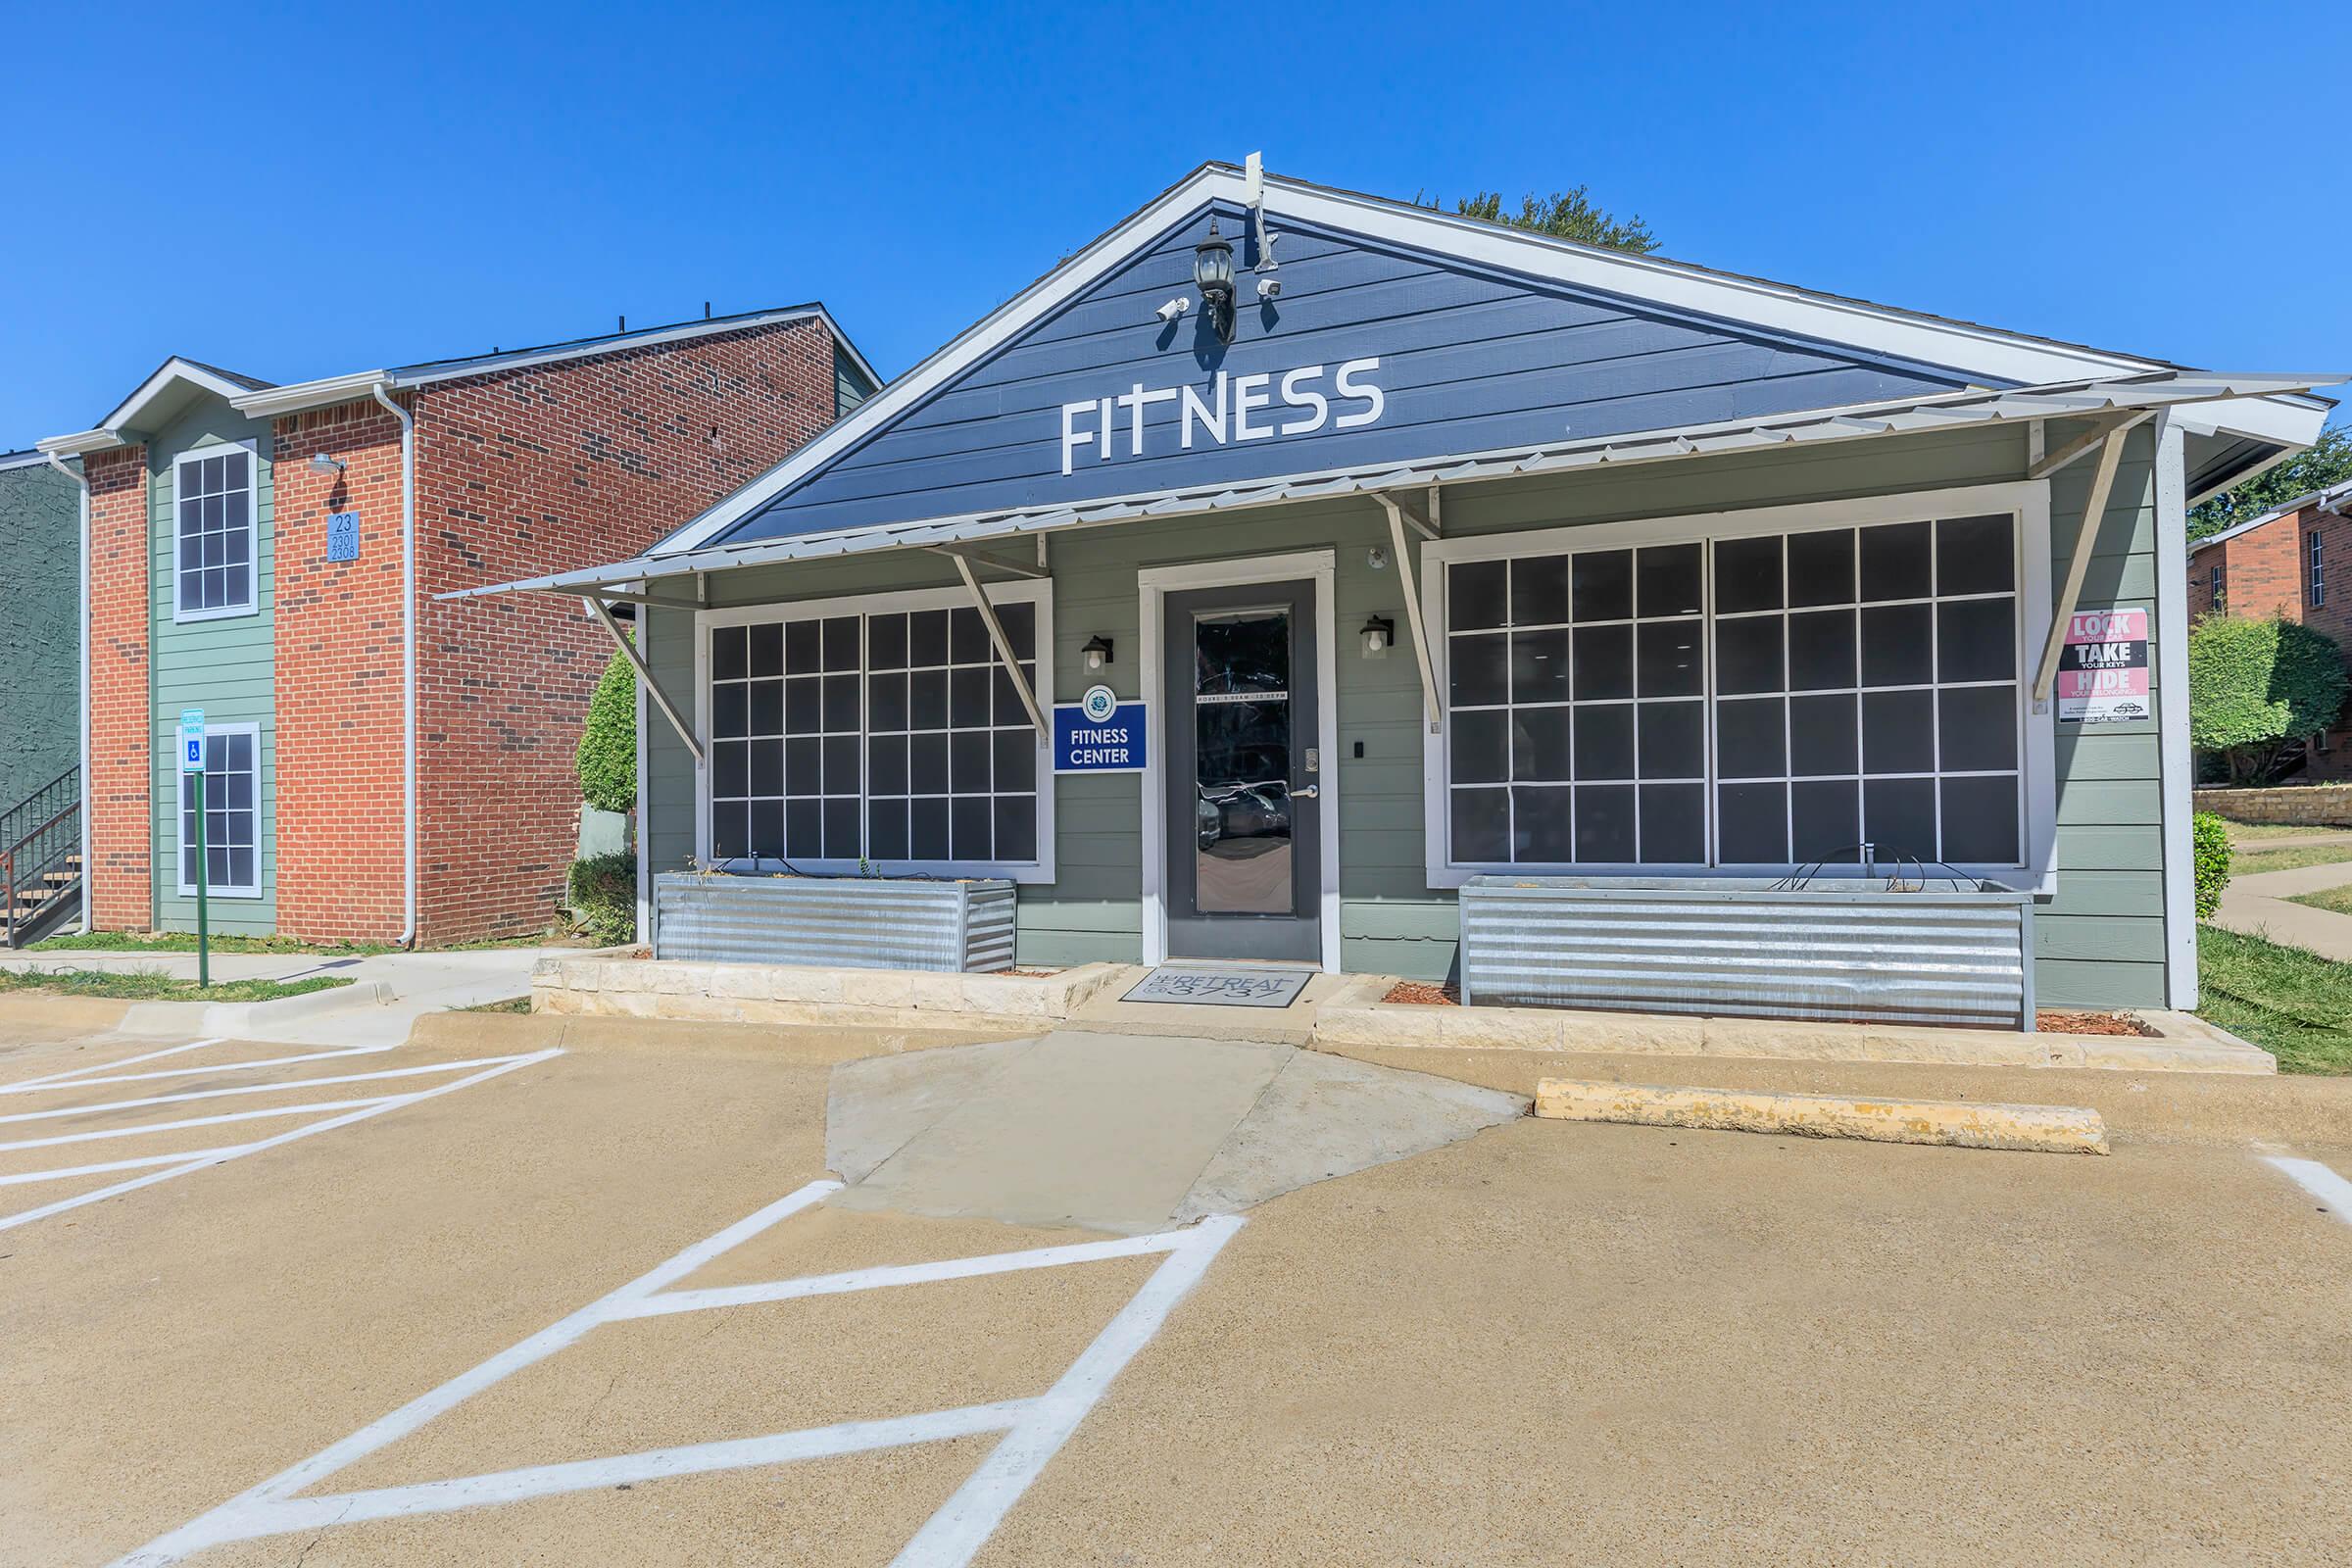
<point x="228" y="667"/>
<point x="850" y="386"/>
<point x="40" y="678"/>
<point x="2099" y="939"/>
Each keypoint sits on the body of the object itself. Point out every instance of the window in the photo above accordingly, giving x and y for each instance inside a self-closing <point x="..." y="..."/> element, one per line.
<point x="232" y="815"/>
<point x="213" y="499"/>
<point x="2213" y="584"/>
<point x="2319" y="573"/>
<point x="888" y="735"/>
<point x="1765" y="700"/>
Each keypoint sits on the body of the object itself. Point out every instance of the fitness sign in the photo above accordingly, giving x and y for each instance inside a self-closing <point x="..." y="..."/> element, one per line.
<point x="2103" y="669"/>
<point x="1099" y="734"/>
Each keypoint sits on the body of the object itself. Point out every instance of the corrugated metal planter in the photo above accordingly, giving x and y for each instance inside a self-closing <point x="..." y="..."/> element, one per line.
<point x="839" y="922"/>
<point x="1834" y="948"/>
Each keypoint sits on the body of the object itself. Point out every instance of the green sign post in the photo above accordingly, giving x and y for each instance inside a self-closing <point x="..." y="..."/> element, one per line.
<point x="191" y="762"/>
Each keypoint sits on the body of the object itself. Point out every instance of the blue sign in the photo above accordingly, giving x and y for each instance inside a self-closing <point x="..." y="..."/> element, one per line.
<point x="342" y="536"/>
<point x="191" y="740"/>
<point x="1098" y="739"/>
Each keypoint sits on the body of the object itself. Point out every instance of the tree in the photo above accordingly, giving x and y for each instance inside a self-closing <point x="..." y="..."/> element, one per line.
<point x="2326" y="462"/>
<point x="2257" y="688"/>
<point x="607" y="757"/>
<point x="1565" y="214"/>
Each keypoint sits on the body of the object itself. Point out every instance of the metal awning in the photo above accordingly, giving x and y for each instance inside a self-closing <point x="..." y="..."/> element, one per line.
<point x="2095" y="397"/>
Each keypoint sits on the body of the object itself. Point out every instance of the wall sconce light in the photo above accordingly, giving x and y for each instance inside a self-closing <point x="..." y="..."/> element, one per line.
<point x="1380" y="635"/>
<point x="323" y="463"/>
<point x="1213" y="272"/>
<point x="1097" y="651"/>
<point x="1377" y="558"/>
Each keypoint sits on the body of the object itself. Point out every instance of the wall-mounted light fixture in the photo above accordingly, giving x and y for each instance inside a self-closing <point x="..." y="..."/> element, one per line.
<point x="1097" y="651"/>
<point x="1380" y="635"/>
<point x="1377" y="558"/>
<point x="1212" y="272"/>
<point x="326" y="463"/>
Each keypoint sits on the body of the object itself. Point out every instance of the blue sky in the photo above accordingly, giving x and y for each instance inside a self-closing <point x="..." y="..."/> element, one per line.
<point x="303" y="191"/>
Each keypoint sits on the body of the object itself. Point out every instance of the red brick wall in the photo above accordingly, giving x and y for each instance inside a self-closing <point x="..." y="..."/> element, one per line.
<point x="540" y="471"/>
<point x="2269" y="568"/>
<point x="122" y="894"/>
<point x="338" y="645"/>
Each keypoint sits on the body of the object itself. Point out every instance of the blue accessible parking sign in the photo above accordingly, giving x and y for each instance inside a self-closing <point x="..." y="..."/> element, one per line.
<point x="1099" y="734"/>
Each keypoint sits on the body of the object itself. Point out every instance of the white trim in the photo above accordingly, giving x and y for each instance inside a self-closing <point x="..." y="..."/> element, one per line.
<point x="2038" y="746"/>
<point x="250" y="447"/>
<point x="1155" y="584"/>
<point x="1029" y="591"/>
<point x="171" y="370"/>
<point x="179" y="816"/>
<point x="270" y="401"/>
<point x="2175" y="782"/>
<point x="641" y="819"/>
<point x="1979" y="351"/>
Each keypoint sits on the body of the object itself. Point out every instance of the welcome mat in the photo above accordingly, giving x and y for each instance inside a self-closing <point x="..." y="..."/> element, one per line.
<point x="1222" y="988"/>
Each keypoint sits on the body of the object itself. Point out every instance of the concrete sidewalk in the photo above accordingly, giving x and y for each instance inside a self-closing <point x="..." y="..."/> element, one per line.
<point x="2259" y="906"/>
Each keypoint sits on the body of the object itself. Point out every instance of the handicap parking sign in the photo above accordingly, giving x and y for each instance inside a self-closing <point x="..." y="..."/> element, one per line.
<point x="191" y="740"/>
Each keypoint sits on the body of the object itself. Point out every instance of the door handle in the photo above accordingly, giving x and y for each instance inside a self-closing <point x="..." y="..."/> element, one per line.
<point x="1307" y="792"/>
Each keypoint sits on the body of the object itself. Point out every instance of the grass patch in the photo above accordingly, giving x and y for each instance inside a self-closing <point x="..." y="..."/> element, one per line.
<point x="113" y="986"/>
<point x="510" y="1005"/>
<point x="2256" y="832"/>
<point x="2337" y="900"/>
<point x="185" y="942"/>
<point x="2252" y="863"/>
<point x="2293" y="1003"/>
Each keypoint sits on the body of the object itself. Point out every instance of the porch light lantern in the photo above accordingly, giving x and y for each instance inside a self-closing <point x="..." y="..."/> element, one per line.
<point x="1380" y="635"/>
<point x="1097" y="651"/>
<point x="324" y="463"/>
<point x="1212" y="272"/>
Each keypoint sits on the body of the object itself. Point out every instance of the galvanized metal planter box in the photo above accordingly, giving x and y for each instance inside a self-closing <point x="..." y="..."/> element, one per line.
<point x="1953" y="952"/>
<point x="838" y="922"/>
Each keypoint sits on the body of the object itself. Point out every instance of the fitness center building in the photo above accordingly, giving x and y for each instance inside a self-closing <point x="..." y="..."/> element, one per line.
<point x="1408" y="549"/>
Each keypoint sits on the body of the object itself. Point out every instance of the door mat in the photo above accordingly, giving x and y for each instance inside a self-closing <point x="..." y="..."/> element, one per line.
<point x="1222" y="988"/>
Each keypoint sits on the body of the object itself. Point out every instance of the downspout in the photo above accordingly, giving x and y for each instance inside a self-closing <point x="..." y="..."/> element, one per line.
<point x="408" y="657"/>
<point x="81" y="482"/>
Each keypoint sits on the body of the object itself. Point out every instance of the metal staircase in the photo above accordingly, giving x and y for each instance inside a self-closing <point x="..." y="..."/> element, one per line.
<point x="40" y="859"/>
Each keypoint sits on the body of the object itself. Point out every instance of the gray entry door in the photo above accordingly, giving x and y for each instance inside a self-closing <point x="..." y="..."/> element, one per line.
<point x="1244" y="814"/>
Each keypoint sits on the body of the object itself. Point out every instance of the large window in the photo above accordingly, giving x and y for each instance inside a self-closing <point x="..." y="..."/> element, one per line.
<point x="1758" y="701"/>
<point x="212" y="492"/>
<point x="232" y="815"/>
<point x="888" y="735"/>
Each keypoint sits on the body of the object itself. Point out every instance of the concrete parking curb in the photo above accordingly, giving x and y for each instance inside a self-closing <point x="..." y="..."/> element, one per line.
<point x="236" y="1019"/>
<point x="2046" y="1129"/>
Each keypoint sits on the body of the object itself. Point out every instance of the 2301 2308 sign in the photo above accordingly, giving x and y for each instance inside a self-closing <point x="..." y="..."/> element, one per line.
<point x="2103" y="669"/>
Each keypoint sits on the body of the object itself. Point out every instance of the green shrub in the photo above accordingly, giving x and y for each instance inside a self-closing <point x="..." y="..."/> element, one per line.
<point x="608" y="753"/>
<point x="2258" y="687"/>
<point x="604" y="897"/>
<point x="2209" y="843"/>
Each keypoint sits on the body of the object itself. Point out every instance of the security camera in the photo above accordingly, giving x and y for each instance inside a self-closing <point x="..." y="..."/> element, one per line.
<point x="1173" y="309"/>
<point x="1269" y="288"/>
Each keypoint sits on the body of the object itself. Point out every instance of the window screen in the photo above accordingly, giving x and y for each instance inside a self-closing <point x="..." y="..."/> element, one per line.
<point x="214" y="499"/>
<point x="892" y="737"/>
<point x="1765" y="700"/>
<point x="231" y="851"/>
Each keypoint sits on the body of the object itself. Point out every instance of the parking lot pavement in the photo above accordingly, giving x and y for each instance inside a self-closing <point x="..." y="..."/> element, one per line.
<point x="1545" y="1343"/>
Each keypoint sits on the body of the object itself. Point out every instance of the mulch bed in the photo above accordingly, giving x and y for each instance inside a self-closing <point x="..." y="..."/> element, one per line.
<point x="2052" y="1021"/>
<point x="1422" y="992"/>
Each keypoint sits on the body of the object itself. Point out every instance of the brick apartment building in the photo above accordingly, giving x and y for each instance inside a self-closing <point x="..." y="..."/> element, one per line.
<point x="2294" y="560"/>
<point x="272" y="555"/>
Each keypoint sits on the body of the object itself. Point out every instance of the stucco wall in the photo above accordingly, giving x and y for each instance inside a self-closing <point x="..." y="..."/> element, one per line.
<point x="40" y="525"/>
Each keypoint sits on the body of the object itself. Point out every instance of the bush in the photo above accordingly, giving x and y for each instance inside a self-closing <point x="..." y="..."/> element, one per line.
<point x="2208" y="845"/>
<point x="608" y="756"/>
<point x="604" y="897"/>
<point x="2257" y="688"/>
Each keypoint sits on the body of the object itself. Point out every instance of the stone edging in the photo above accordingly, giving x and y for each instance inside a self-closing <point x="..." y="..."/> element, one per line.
<point x="783" y="994"/>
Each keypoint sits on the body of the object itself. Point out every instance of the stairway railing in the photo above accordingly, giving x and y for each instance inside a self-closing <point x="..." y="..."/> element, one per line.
<point x="40" y="856"/>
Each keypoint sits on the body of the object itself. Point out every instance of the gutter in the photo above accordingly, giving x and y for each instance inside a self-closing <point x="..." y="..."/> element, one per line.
<point x="81" y="482"/>
<point x="408" y="655"/>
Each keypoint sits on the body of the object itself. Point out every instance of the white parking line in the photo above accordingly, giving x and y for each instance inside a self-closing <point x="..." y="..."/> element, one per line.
<point x="247" y="1089"/>
<point x="145" y="1128"/>
<point x="64" y="1080"/>
<point x="1034" y="1429"/>
<point x="191" y="1161"/>
<point x="101" y="1067"/>
<point x="2319" y="1181"/>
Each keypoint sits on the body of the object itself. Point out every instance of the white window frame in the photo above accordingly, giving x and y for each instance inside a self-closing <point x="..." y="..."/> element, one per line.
<point x="181" y="613"/>
<point x="1031" y="592"/>
<point x="2028" y="502"/>
<point x="179" y="819"/>
<point x="2317" y="578"/>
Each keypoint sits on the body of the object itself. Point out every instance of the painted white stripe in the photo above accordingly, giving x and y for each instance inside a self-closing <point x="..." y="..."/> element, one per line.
<point x="202" y="1160"/>
<point x="38" y="1084"/>
<point x="145" y="1128"/>
<point x="290" y="1086"/>
<point x="2320" y="1182"/>
<point x="582" y="1475"/>
<point x="873" y="1279"/>
<point x="231" y="1521"/>
<point x="102" y="1066"/>
<point x="950" y="1537"/>
<point x="208" y="1157"/>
